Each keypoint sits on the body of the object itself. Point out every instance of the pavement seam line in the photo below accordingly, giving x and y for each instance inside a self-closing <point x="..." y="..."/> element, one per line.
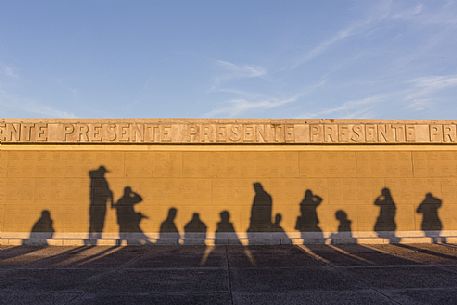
<point x="75" y="297"/>
<point x="345" y="274"/>
<point x="115" y="270"/>
<point x="385" y="295"/>
<point x="229" y="275"/>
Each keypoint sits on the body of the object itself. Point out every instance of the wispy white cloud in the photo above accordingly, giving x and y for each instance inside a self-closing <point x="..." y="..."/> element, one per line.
<point x="238" y="92"/>
<point x="408" y="13"/>
<point x="236" y="107"/>
<point x="341" y="35"/>
<point x="441" y="14"/>
<point x="385" y="12"/>
<point x="234" y="71"/>
<point x="420" y="95"/>
<point x="435" y="82"/>
<point x="11" y="102"/>
<point x="244" y="100"/>
<point x="251" y="101"/>
<point x="358" y="108"/>
<point x="229" y="71"/>
<point x="15" y="103"/>
<point x="390" y="86"/>
<point x="354" y="28"/>
<point x="8" y="71"/>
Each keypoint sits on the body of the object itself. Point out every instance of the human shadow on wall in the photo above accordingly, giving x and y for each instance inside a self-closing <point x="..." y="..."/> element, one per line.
<point x="226" y="239"/>
<point x="169" y="233"/>
<point x="100" y="195"/>
<point x="129" y="220"/>
<point x="195" y="231"/>
<point x="195" y="235"/>
<point x="344" y="231"/>
<point x="261" y="213"/>
<point x="385" y="225"/>
<point x="431" y="223"/>
<point x="349" y="251"/>
<point x="225" y="231"/>
<point x="41" y="231"/>
<point x="278" y="231"/>
<point x="308" y="221"/>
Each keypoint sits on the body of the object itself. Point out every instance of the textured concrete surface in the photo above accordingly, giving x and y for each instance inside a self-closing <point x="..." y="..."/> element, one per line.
<point x="379" y="192"/>
<point x="314" y="274"/>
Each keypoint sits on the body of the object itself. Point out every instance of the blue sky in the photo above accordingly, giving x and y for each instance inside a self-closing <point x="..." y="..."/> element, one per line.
<point x="228" y="59"/>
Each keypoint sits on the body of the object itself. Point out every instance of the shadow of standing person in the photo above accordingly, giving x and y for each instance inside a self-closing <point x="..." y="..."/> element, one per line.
<point x="431" y="222"/>
<point x="227" y="243"/>
<point x="129" y="220"/>
<point x="169" y="234"/>
<point x="226" y="236"/>
<point x="195" y="231"/>
<point x="279" y="233"/>
<point x="385" y="225"/>
<point x="261" y="213"/>
<point x="344" y="234"/>
<point x="308" y="221"/>
<point x="100" y="195"/>
<point x="225" y="231"/>
<point x="41" y="231"/>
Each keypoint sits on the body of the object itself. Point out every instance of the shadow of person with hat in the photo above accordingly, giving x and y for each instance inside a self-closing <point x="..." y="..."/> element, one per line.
<point x="100" y="196"/>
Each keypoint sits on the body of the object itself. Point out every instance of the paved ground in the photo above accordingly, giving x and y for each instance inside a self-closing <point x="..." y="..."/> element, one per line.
<point x="351" y="274"/>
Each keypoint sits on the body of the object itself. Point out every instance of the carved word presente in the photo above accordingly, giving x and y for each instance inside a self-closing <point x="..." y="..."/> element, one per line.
<point x="301" y="133"/>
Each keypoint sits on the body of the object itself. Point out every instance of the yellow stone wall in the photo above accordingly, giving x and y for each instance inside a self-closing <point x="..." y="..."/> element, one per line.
<point x="208" y="179"/>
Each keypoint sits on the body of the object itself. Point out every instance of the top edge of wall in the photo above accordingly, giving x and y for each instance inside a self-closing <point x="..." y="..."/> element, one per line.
<point x="226" y="131"/>
<point x="216" y="120"/>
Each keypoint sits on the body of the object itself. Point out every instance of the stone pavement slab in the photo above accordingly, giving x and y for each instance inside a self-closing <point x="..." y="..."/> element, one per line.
<point x="148" y="299"/>
<point x="25" y="298"/>
<point x="364" y="297"/>
<point x="400" y="277"/>
<point x="289" y="279"/>
<point x="267" y="256"/>
<point x="235" y="275"/>
<point x="421" y="296"/>
<point x="46" y="280"/>
<point x="160" y="280"/>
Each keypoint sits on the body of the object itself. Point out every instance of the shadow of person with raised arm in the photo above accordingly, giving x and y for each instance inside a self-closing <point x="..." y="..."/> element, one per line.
<point x="100" y="196"/>
<point x="129" y="220"/>
<point x="195" y="231"/>
<point x="278" y="232"/>
<point x="344" y="233"/>
<point x="169" y="234"/>
<point x="308" y="221"/>
<point x="41" y="231"/>
<point x="385" y="225"/>
<point x="261" y="213"/>
<point x="431" y="222"/>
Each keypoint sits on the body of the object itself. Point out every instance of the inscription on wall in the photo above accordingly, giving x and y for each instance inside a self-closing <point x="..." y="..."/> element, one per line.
<point x="221" y="132"/>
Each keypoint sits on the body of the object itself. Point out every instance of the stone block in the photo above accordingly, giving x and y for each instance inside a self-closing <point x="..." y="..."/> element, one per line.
<point x="328" y="164"/>
<point x="384" y="164"/>
<point x="20" y="190"/>
<point x="435" y="163"/>
<point x="343" y="191"/>
<point x="3" y="163"/>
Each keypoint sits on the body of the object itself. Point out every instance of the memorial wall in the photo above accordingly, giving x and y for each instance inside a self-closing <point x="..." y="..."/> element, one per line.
<point x="188" y="181"/>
